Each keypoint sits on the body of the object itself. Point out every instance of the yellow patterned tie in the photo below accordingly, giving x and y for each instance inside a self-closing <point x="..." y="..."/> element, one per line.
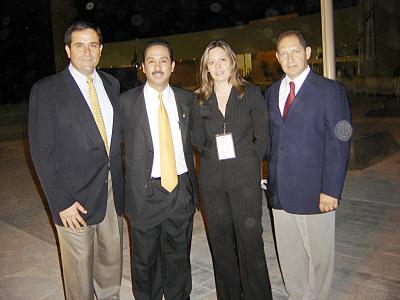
<point x="169" y="178"/>
<point x="96" y="111"/>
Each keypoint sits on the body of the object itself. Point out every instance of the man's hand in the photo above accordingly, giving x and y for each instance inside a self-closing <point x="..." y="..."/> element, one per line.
<point x="327" y="203"/>
<point x="71" y="217"/>
<point x="264" y="183"/>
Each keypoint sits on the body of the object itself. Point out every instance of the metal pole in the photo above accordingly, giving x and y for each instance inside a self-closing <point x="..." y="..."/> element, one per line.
<point x="328" y="39"/>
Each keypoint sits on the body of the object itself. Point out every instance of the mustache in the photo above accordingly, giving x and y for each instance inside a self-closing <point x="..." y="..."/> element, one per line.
<point x="157" y="72"/>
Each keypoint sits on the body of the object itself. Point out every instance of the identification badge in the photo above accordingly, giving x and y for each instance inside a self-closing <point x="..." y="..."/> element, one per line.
<point x="225" y="147"/>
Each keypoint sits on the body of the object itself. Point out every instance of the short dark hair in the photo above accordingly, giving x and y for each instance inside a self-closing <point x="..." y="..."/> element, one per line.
<point x="295" y="33"/>
<point x="158" y="42"/>
<point x="79" y="26"/>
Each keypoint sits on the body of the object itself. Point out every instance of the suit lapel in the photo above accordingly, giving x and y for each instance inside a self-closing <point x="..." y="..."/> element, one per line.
<point x="301" y="94"/>
<point x="275" y="103"/>
<point x="232" y="102"/>
<point x="183" y="114"/>
<point x="80" y="106"/>
<point x="213" y="103"/>
<point x="112" y="96"/>
<point x="140" y="111"/>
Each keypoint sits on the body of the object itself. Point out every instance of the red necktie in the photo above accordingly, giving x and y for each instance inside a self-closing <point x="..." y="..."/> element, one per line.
<point x="289" y="100"/>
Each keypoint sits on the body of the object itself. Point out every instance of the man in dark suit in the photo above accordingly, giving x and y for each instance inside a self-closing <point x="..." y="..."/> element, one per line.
<point x="74" y="136"/>
<point x="160" y="186"/>
<point x="310" y="140"/>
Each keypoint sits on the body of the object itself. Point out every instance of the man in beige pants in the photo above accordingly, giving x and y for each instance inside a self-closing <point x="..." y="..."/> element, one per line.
<point x="310" y="141"/>
<point x="74" y="136"/>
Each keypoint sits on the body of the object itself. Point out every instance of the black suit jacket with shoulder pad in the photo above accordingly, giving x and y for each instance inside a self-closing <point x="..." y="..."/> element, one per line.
<point x="67" y="149"/>
<point x="139" y="152"/>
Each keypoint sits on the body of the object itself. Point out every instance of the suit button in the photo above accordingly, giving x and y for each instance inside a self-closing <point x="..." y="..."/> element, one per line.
<point x="150" y="152"/>
<point x="106" y="180"/>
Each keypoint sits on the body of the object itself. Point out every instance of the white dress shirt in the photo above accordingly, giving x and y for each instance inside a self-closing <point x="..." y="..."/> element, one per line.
<point x="284" y="88"/>
<point x="152" y="105"/>
<point x="105" y="105"/>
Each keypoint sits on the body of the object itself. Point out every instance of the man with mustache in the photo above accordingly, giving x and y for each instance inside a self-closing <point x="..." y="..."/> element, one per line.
<point x="160" y="189"/>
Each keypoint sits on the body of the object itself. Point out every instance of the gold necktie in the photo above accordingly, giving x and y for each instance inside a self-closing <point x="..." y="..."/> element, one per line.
<point x="169" y="179"/>
<point x="96" y="111"/>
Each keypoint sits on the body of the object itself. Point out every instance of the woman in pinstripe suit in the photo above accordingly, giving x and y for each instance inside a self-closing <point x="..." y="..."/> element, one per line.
<point x="230" y="131"/>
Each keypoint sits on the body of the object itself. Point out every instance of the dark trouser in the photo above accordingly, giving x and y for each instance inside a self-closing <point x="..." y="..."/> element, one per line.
<point x="161" y="253"/>
<point x="234" y="230"/>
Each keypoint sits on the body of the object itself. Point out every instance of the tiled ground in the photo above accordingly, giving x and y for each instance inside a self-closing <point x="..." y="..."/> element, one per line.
<point x="367" y="263"/>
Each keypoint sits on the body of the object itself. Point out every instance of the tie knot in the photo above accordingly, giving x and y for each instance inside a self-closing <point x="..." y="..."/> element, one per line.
<point x="291" y="84"/>
<point x="89" y="80"/>
<point x="160" y="97"/>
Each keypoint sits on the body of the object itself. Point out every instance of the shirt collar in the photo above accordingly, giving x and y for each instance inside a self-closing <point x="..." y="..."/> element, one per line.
<point x="154" y="93"/>
<point x="79" y="75"/>
<point x="298" y="81"/>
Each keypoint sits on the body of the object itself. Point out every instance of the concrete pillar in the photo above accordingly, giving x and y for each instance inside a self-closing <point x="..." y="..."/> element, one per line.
<point x="63" y="14"/>
<point x="328" y="39"/>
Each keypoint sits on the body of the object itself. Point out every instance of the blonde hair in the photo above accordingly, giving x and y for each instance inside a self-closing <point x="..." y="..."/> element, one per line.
<point x="207" y="82"/>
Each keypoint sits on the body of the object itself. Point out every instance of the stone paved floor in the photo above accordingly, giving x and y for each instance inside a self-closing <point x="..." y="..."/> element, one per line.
<point x="367" y="262"/>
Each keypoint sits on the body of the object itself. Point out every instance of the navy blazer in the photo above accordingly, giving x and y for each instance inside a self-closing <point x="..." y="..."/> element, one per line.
<point x="309" y="149"/>
<point x="139" y="150"/>
<point x="67" y="149"/>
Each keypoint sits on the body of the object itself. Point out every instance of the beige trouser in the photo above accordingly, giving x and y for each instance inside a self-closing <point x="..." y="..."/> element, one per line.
<point x="306" y="250"/>
<point x="92" y="258"/>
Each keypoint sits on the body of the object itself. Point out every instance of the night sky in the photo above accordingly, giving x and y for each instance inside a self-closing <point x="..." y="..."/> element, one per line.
<point x="26" y="47"/>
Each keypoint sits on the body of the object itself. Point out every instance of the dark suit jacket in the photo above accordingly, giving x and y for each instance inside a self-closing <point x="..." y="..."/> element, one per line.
<point x="139" y="150"/>
<point x="246" y="119"/>
<point x="310" y="148"/>
<point x="67" y="149"/>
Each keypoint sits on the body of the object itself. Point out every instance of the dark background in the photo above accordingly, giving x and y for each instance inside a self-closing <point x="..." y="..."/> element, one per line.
<point x="26" y="46"/>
